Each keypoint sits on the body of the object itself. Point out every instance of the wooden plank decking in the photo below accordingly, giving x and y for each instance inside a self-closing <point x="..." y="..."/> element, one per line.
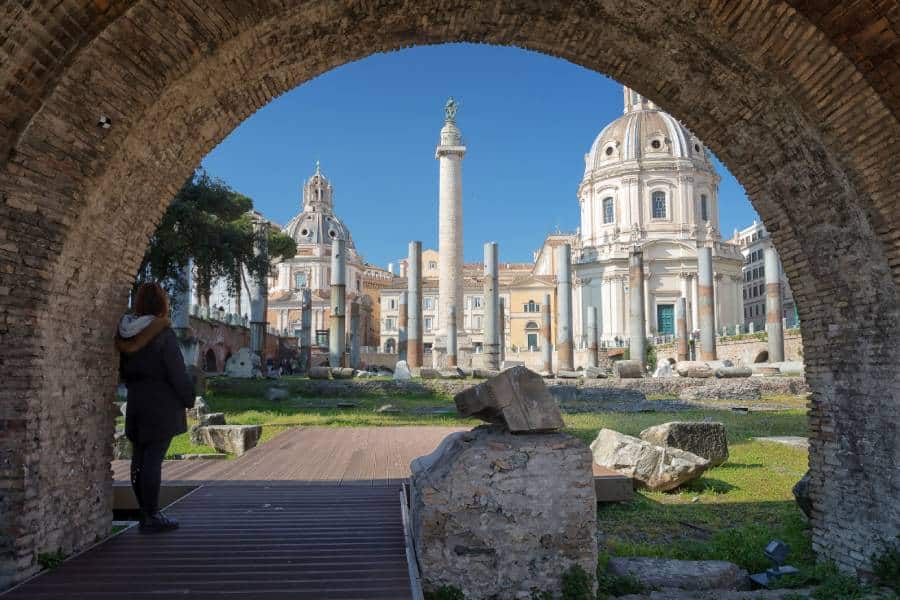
<point x="314" y="513"/>
<point x="375" y="456"/>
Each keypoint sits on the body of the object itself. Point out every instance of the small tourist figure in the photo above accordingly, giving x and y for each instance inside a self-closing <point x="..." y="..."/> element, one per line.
<point x="159" y="391"/>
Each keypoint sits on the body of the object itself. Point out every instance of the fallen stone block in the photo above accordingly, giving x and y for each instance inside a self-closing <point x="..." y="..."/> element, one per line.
<point x="568" y="374"/>
<point x="200" y="408"/>
<point x="509" y="364"/>
<point x="451" y="373"/>
<point x="628" y="369"/>
<point x="595" y="373"/>
<point x="342" y="373"/>
<point x="211" y="419"/>
<point x="232" y="439"/>
<point x="733" y="372"/>
<point x="243" y="364"/>
<point x="737" y="389"/>
<point x="401" y="371"/>
<point x="664" y="369"/>
<point x="319" y="373"/>
<point x="516" y="398"/>
<point x="706" y="440"/>
<point x="202" y="456"/>
<point x="691" y="575"/>
<point x="718" y="364"/>
<point x="693" y="368"/>
<point x="484" y="373"/>
<point x="654" y="467"/>
<point x="429" y="373"/>
<point x="480" y="517"/>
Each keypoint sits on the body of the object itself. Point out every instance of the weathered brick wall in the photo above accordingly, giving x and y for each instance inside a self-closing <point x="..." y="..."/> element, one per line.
<point x="743" y="351"/>
<point x="798" y="98"/>
<point x="224" y="340"/>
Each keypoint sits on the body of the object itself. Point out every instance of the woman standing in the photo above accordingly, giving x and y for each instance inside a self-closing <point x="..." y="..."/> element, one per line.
<point x="159" y="391"/>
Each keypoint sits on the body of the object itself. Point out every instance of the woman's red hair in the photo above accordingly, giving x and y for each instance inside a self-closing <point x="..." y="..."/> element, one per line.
<point x="151" y="299"/>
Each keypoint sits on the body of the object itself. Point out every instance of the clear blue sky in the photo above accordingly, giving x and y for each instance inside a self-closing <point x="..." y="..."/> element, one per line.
<point x="526" y="118"/>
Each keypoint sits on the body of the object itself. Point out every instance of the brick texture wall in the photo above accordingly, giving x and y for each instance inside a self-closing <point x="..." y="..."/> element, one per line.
<point x="799" y="99"/>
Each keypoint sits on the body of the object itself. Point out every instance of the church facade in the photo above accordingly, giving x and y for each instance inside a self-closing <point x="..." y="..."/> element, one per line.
<point x="650" y="184"/>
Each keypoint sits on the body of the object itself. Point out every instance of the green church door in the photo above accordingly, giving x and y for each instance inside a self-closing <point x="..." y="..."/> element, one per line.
<point x="665" y="319"/>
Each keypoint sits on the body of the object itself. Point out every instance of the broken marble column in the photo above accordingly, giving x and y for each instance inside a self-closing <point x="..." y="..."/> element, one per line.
<point x="451" y="337"/>
<point x="414" y="345"/>
<point x="546" y="338"/>
<point x="491" y="307"/>
<point x="564" y="346"/>
<point x="305" y="329"/>
<point x="681" y="336"/>
<point x="403" y="326"/>
<point x="337" y="336"/>
<point x="706" y="299"/>
<point x="656" y="468"/>
<point x="774" y="324"/>
<point x="636" y="317"/>
<point x="354" y="334"/>
<point x="517" y="398"/>
<point x="592" y="336"/>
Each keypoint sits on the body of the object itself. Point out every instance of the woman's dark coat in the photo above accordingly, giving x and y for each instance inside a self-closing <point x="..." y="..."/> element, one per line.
<point x="159" y="387"/>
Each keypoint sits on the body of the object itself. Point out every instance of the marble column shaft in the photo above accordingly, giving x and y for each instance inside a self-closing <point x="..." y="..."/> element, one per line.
<point x="564" y="347"/>
<point x="706" y="308"/>
<point x="774" y="322"/>
<point x="402" y="325"/>
<point x="592" y="336"/>
<point x="305" y="327"/>
<point x="451" y="337"/>
<point x="337" y="340"/>
<point x="681" y="330"/>
<point x="491" y="307"/>
<point x="354" y="334"/>
<point x="636" y="316"/>
<point x="414" y="330"/>
<point x="546" y="337"/>
<point x="259" y="293"/>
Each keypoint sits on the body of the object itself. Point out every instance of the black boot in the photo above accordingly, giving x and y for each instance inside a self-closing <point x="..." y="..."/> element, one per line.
<point x="155" y="522"/>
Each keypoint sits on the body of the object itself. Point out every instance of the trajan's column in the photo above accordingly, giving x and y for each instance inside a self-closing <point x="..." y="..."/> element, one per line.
<point x="450" y="247"/>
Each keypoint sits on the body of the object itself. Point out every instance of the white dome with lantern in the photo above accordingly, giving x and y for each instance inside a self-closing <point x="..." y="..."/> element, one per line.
<point x="317" y="224"/>
<point x="649" y="183"/>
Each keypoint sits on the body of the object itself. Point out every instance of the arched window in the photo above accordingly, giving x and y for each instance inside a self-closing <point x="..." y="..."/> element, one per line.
<point x="531" y="307"/>
<point x="704" y="208"/>
<point x="609" y="214"/>
<point x="532" y="325"/>
<point x="658" y="202"/>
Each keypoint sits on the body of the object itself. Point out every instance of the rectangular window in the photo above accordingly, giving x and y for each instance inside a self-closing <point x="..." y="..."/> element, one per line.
<point x="429" y="303"/>
<point x="704" y="208"/>
<point x="609" y="214"/>
<point x="476" y="322"/>
<point x="389" y="324"/>
<point x="658" y="201"/>
<point x="299" y="280"/>
<point x="428" y="323"/>
<point x="476" y="301"/>
<point x="392" y="304"/>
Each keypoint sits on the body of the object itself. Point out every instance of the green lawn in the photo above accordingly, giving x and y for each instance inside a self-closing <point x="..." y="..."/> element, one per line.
<point x="730" y="513"/>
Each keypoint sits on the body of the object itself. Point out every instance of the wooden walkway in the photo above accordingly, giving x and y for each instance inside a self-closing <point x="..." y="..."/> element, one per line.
<point x="314" y="513"/>
<point x="375" y="456"/>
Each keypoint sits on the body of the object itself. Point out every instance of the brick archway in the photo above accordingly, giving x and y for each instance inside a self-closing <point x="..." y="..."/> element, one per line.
<point x="802" y="105"/>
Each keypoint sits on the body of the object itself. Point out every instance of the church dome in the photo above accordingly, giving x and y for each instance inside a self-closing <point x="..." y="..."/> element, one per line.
<point x="643" y="132"/>
<point x="317" y="224"/>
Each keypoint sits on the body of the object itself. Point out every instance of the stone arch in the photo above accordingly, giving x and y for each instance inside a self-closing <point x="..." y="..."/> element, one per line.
<point x="799" y="102"/>
<point x="762" y="357"/>
<point x="210" y="362"/>
<point x="390" y="346"/>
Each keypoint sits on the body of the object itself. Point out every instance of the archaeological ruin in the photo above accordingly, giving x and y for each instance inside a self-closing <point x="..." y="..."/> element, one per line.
<point x="108" y="106"/>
